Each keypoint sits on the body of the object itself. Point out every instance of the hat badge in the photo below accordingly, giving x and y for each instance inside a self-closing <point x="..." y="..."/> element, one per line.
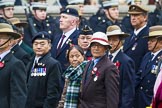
<point x="42" y="35"/>
<point x="68" y="11"/>
<point x="133" y="8"/>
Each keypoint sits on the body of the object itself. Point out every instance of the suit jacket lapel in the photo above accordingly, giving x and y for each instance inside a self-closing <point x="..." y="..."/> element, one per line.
<point x="65" y="44"/>
<point x="98" y="65"/>
<point x="6" y="59"/>
<point x="84" y="76"/>
<point x="133" y="42"/>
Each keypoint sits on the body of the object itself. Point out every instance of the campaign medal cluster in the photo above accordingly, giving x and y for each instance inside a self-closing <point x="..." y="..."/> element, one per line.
<point x="38" y="70"/>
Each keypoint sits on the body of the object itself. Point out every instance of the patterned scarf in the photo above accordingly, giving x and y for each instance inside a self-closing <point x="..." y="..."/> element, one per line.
<point x="74" y="75"/>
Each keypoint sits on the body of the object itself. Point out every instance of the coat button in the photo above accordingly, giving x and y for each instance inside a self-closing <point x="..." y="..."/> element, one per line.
<point x="141" y="87"/>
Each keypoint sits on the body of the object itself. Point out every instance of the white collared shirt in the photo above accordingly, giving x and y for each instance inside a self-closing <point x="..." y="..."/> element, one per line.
<point x="137" y="31"/>
<point x="115" y="53"/>
<point x="155" y="54"/>
<point x="4" y="54"/>
<point x="67" y="34"/>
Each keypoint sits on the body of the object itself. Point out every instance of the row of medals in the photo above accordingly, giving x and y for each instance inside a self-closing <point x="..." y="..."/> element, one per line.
<point x="38" y="72"/>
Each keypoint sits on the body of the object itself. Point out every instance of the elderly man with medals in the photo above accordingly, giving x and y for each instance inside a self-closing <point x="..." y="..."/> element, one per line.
<point x="44" y="75"/>
<point x="147" y="72"/>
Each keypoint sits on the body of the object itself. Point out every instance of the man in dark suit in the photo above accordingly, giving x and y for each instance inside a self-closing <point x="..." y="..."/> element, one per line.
<point x="44" y="75"/>
<point x="12" y="72"/>
<point x="68" y="24"/>
<point x="125" y="65"/>
<point x="100" y="83"/>
<point x="135" y="46"/>
<point x="147" y="73"/>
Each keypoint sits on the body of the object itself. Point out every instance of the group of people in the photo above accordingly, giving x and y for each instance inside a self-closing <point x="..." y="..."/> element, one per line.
<point x="72" y="62"/>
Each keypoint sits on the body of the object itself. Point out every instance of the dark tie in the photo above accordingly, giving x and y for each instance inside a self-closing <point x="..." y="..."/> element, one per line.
<point x="133" y="37"/>
<point x="89" y="70"/>
<point x="149" y="60"/>
<point x="110" y="57"/>
<point x="60" y="44"/>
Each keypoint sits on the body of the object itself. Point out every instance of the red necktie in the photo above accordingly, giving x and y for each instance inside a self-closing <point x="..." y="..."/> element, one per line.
<point x="60" y="44"/>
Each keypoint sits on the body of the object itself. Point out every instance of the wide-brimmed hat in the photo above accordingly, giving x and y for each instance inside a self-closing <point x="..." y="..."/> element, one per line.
<point x="7" y="29"/>
<point x="137" y="9"/>
<point x="6" y="3"/>
<point x="17" y="22"/>
<point x="155" y="31"/>
<point x="110" y="3"/>
<point x="39" y="5"/>
<point x="115" y="30"/>
<point x="100" y="38"/>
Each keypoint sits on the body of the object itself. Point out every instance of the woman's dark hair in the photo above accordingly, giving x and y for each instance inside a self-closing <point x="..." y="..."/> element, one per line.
<point x="76" y="47"/>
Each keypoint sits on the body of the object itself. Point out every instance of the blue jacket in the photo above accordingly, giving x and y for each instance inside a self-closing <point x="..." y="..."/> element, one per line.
<point x="127" y="80"/>
<point x="137" y="48"/>
<point x="145" y="81"/>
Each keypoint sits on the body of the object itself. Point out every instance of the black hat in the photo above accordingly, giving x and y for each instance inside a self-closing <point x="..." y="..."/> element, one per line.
<point x="41" y="35"/>
<point x="70" y="11"/>
<point x="86" y="30"/>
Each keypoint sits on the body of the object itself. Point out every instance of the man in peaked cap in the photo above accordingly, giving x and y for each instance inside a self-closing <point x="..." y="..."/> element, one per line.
<point x="13" y="73"/>
<point x="84" y="40"/>
<point x="135" y="46"/>
<point x="41" y="22"/>
<point x="44" y="75"/>
<point x="147" y="72"/>
<point x="125" y="65"/>
<point x="7" y="8"/>
<point x="7" y="11"/>
<point x="110" y="17"/>
<point x="100" y="85"/>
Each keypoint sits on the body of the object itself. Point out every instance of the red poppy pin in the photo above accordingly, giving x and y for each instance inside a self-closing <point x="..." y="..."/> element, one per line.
<point x="2" y="64"/>
<point x="96" y="73"/>
<point x="117" y="64"/>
